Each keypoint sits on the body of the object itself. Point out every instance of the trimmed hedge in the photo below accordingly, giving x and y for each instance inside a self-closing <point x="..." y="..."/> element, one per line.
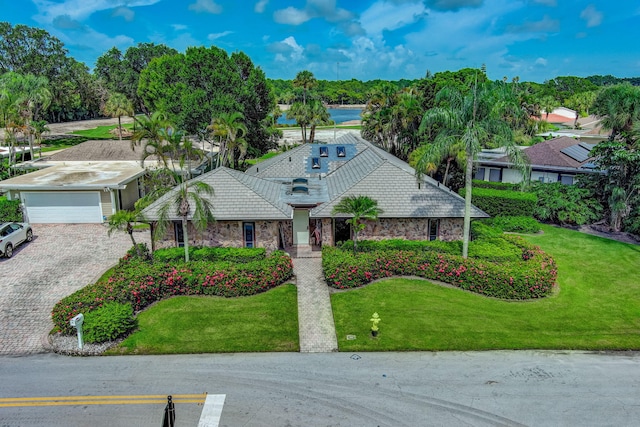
<point x="141" y="283"/>
<point x="504" y="202"/>
<point x="533" y="276"/>
<point x="239" y="255"/>
<point x="109" y="322"/>
<point x="515" y="224"/>
<point x="495" y="185"/>
<point x="10" y="210"/>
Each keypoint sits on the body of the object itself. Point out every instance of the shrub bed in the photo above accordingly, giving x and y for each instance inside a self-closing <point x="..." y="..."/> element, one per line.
<point x="532" y="276"/>
<point x="10" y="210"/>
<point x="240" y="255"/>
<point x="141" y="283"/>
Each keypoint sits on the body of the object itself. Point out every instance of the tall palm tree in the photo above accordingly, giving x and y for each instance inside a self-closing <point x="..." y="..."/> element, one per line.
<point x="40" y="128"/>
<point x="117" y="106"/>
<point x="187" y="200"/>
<point x="123" y="221"/>
<point x="301" y="113"/>
<point x="619" y="108"/>
<point x="360" y="208"/>
<point x="230" y="130"/>
<point x="150" y="131"/>
<point x="475" y="120"/>
<point x="318" y="115"/>
<point x="548" y="104"/>
<point x="306" y="81"/>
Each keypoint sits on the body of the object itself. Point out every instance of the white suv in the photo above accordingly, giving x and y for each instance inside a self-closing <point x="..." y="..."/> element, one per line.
<point x="12" y="234"/>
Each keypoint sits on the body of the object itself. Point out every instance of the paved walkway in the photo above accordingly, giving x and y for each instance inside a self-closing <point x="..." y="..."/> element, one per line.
<point x="315" y="317"/>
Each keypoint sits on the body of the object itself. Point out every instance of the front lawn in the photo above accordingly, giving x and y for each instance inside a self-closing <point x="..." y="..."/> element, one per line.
<point x="597" y="306"/>
<point x="189" y="324"/>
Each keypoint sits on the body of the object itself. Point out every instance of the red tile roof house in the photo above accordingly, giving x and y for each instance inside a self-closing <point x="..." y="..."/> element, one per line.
<point x="287" y="201"/>
<point x="556" y="160"/>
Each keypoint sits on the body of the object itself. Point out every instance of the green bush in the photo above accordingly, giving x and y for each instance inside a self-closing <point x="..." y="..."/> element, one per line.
<point x="566" y="204"/>
<point x="531" y="276"/>
<point x="238" y="255"/>
<point x="495" y="185"/>
<point x="10" y="210"/>
<point x="141" y="283"/>
<point x="515" y="224"/>
<point x="482" y="230"/>
<point x="504" y="202"/>
<point x="109" y="322"/>
<point x="407" y="245"/>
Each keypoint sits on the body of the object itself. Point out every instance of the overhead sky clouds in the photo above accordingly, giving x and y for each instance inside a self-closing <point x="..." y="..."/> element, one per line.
<point x="534" y="40"/>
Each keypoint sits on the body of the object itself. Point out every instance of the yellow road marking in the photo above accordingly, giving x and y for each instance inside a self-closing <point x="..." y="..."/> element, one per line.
<point x="100" y="400"/>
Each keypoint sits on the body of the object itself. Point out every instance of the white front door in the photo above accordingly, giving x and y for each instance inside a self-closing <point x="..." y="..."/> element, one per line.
<point x="300" y="227"/>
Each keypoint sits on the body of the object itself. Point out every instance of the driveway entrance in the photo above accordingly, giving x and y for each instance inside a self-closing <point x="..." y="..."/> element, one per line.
<point x="61" y="259"/>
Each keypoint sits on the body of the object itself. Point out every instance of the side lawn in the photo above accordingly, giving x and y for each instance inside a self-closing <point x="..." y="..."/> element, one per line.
<point x="596" y="306"/>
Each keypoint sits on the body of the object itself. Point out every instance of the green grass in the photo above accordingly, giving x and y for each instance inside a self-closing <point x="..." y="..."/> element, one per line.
<point x="262" y="158"/>
<point x="263" y="322"/>
<point x="597" y="306"/>
<point x="101" y="132"/>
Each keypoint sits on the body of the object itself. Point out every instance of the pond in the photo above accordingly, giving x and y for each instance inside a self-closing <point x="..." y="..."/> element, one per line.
<point x="339" y="115"/>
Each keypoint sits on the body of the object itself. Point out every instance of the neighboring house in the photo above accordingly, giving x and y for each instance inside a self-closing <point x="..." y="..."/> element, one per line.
<point x="556" y="160"/>
<point x="287" y="200"/>
<point x="83" y="184"/>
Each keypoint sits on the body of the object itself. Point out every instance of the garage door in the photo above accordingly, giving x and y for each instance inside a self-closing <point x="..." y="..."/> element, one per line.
<point x="63" y="207"/>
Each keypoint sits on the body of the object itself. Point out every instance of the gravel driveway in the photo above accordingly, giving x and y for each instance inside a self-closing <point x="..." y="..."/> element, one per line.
<point x="61" y="259"/>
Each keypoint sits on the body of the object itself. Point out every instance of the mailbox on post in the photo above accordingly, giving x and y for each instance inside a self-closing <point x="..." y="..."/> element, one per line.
<point x="76" y="322"/>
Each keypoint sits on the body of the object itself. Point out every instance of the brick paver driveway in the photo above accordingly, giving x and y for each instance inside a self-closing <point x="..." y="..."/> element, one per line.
<point x="61" y="259"/>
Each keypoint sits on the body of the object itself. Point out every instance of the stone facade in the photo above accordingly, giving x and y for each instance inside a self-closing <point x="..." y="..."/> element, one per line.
<point x="411" y="229"/>
<point x="267" y="233"/>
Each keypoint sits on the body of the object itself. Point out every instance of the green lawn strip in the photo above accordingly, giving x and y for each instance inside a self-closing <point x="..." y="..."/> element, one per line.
<point x="597" y="306"/>
<point x="101" y="132"/>
<point x="193" y="324"/>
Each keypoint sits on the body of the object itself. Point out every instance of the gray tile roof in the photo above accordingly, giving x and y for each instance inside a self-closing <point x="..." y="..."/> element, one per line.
<point x="237" y="196"/>
<point x="264" y="191"/>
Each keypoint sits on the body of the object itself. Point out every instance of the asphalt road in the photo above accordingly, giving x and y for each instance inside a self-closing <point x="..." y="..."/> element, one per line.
<point x="335" y="389"/>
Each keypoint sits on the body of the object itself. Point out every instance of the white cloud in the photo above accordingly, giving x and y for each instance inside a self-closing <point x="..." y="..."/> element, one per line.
<point x="215" y="36"/>
<point x="386" y="16"/>
<point x="124" y="12"/>
<point x="208" y="6"/>
<point x="260" y="6"/>
<point x="287" y="50"/>
<point x="592" y="16"/>
<point x="541" y="62"/>
<point x="81" y="9"/>
<point x="291" y="16"/>
<point x="179" y="27"/>
<point x="546" y="25"/>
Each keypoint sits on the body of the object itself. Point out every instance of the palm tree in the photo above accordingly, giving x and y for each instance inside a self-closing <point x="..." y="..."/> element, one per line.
<point x="318" y="115"/>
<point x="548" y="104"/>
<point x="360" y="208"/>
<point x="123" y="221"/>
<point x="39" y="128"/>
<point x="187" y="200"/>
<point x="230" y="130"/>
<point x="301" y="113"/>
<point x="306" y="81"/>
<point x="619" y="108"/>
<point x="151" y="130"/>
<point x="117" y="106"/>
<point x="474" y="120"/>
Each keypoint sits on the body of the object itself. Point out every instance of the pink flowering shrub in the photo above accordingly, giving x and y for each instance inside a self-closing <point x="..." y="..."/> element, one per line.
<point x="533" y="276"/>
<point x="142" y="283"/>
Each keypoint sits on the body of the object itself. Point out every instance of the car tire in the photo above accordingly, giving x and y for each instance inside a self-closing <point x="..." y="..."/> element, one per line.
<point x="8" y="251"/>
<point x="29" y="235"/>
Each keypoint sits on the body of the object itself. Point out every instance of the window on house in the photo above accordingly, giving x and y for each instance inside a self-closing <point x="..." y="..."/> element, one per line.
<point x="434" y="229"/>
<point x="249" y="234"/>
<point x="315" y="162"/>
<point x="566" y="179"/>
<point x="480" y="174"/>
<point x="341" y="151"/>
<point x="495" y="175"/>
<point x="178" y="232"/>
<point x="324" y="151"/>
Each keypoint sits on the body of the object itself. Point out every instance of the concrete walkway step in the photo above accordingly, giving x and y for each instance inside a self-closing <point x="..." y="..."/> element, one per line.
<point x="315" y="318"/>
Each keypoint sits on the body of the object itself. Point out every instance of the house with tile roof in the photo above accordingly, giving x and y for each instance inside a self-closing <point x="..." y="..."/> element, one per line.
<point x="559" y="159"/>
<point x="288" y="200"/>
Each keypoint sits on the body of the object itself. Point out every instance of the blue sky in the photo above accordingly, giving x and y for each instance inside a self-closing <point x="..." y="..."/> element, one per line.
<point x="363" y="39"/>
